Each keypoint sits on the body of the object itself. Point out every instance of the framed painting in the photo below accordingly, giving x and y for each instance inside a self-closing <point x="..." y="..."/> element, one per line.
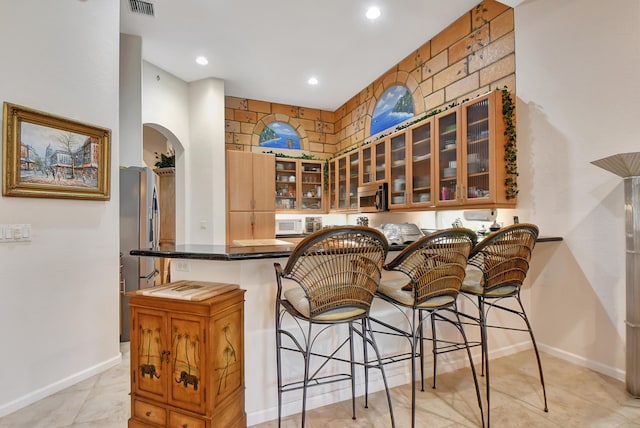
<point x="45" y="156"/>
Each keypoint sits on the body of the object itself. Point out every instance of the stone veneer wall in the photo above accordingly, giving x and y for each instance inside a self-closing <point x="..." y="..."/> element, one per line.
<point x="474" y="55"/>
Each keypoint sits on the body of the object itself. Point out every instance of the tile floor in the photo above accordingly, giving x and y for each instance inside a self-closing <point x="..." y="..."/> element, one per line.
<point x="578" y="397"/>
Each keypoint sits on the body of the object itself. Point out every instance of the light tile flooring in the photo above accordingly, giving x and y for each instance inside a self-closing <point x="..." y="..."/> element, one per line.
<point x="577" y="397"/>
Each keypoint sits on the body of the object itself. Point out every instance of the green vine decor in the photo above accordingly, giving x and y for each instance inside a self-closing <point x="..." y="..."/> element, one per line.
<point x="510" y="149"/>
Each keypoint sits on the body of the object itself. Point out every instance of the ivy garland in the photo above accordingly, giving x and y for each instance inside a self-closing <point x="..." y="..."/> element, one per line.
<point x="510" y="149"/>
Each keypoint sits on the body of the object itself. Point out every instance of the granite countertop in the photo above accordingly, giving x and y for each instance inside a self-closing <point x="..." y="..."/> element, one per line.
<point x="225" y="252"/>
<point x="231" y="252"/>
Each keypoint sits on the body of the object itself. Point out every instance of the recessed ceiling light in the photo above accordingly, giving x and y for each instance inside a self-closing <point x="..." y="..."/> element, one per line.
<point x="373" y="13"/>
<point x="312" y="81"/>
<point x="202" y="60"/>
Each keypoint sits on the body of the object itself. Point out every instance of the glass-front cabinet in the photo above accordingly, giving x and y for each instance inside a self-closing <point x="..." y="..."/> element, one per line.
<point x="471" y="154"/>
<point x="447" y="159"/>
<point x="453" y="159"/>
<point x="299" y="185"/>
<point x="420" y="166"/>
<point x="379" y="160"/>
<point x="345" y="178"/>
<point x="366" y="165"/>
<point x="354" y="179"/>
<point x="342" y="191"/>
<point x="286" y="185"/>
<point x="478" y="168"/>
<point x="311" y="185"/>
<point x="373" y="162"/>
<point x="398" y="168"/>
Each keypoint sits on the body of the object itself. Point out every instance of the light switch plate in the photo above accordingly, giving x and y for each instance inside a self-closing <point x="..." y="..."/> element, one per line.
<point x="15" y="233"/>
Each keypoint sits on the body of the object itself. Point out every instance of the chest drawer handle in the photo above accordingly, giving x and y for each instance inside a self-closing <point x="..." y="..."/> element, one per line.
<point x="148" y="413"/>
<point x="185" y="426"/>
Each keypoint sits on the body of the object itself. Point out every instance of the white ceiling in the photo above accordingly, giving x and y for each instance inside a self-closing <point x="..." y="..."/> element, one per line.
<point x="267" y="50"/>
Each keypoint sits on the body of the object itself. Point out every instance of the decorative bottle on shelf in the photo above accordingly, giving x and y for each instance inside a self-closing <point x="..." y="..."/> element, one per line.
<point x="445" y="193"/>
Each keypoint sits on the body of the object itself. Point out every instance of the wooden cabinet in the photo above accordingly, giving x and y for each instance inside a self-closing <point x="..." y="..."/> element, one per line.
<point x="250" y="196"/>
<point x="470" y="155"/>
<point x="187" y="361"/>
<point x="410" y="167"/>
<point x="454" y="159"/>
<point x="374" y="162"/>
<point x="299" y="186"/>
<point x="345" y="178"/>
<point x="398" y="153"/>
<point x="420" y="165"/>
<point x="447" y="157"/>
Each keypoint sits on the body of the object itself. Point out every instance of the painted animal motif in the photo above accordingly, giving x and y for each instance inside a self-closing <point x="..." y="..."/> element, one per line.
<point x="187" y="379"/>
<point x="149" y="369"/>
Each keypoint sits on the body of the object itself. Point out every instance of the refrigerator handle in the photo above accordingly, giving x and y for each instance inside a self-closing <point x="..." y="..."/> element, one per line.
<point x="151" y="274"/>
<point x="154" y="221"/>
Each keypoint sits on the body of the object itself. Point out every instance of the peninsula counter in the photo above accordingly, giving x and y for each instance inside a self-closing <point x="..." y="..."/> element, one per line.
<point x="252" y="267"/>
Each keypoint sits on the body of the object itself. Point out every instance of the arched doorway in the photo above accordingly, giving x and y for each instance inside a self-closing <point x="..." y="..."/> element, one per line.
<point x="158" y="140"/>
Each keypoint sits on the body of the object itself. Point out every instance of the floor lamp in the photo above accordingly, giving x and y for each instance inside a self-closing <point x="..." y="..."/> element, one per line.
<point x="627" y="166"/>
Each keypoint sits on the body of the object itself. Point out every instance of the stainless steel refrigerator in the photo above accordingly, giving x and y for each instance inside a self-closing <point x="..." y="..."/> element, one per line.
<point x="139" y="228"/>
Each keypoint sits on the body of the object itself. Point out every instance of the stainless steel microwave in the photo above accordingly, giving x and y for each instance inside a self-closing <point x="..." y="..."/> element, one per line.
<point x="373" y="198"/>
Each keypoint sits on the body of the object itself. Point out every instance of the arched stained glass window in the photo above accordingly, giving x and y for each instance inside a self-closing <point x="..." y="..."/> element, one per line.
<point x="394" y="106"/>
<point x="279" y="135"/>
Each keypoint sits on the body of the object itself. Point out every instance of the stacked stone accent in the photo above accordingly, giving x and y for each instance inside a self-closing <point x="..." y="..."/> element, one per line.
<point x="472" y="56"/>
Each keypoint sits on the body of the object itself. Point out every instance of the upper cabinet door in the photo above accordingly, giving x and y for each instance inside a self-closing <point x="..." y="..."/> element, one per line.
<point x="264" y="178"/>
<point x="448" y="156"/>
<point x="421" y="192"/>
<point x="380" y="160"/>
<point x="286" y="185"/>
<point x="311" y="185"/>
<point x="354" y="178"/>
<point x="366" y="165"/>
<point x="342" y="183"/>
<point x="478" y="162"/>
<point x="398" y="170"/>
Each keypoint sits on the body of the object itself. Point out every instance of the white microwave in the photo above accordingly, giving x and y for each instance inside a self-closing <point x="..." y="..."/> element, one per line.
<point x="289" y="226"/>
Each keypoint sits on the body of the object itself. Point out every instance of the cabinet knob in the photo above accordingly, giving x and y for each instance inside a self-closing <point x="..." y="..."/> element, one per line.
<point x="148" y="413"/>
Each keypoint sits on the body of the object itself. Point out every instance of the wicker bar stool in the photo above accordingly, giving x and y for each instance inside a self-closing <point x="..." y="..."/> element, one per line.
<point x="434" y="267"/>
<point x="497" y="268"/>
<point x="336" y="272"/>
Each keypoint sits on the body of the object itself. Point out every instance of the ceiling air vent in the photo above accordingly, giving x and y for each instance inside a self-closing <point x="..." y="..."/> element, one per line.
<point x="141" y="7"/>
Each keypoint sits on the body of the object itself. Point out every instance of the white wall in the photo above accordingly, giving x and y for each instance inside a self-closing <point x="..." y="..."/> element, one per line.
<point x="206" y="222"/>
<point x="59" y="312"/>
<point x="577" y="64"/>
<point x="193" y="114"/>
<point x="130" y="111"/>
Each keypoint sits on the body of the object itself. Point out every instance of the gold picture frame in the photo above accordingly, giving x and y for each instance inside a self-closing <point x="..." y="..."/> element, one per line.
<point x="46" y="156"/>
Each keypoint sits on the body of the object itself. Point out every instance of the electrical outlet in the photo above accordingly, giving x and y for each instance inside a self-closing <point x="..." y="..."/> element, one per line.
<point x="181" y="265"/>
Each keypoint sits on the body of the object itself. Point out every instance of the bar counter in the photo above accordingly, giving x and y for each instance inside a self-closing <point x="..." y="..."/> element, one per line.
<point x="252" y="268"/>
<point x="231" y="252"/>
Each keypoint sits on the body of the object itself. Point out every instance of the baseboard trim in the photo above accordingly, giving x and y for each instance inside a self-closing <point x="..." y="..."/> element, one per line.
<point x="613" y="372"/>
<point x="58" y="386"/>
